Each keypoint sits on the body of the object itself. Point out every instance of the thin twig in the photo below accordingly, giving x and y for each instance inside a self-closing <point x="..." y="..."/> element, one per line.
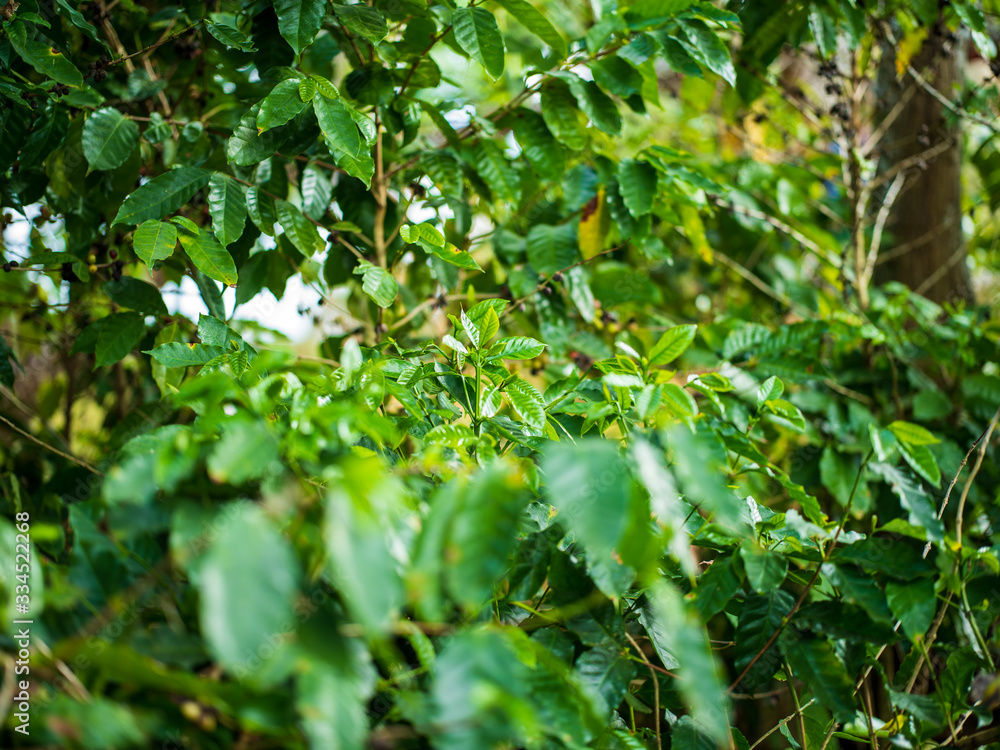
<point x="67" y="456"/>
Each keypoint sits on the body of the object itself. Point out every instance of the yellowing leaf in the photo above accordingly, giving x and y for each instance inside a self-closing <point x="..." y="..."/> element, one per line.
<point x="593" y="225"/>
<point x="694" y="230"/>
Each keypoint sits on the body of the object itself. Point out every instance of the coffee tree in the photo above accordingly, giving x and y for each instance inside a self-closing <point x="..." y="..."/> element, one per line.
<point x="608" y="438"/>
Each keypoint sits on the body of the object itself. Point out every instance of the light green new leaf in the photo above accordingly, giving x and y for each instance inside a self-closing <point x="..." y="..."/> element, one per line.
<point x="280" y="106"/>
<point x="477" y="33"/>
<point x="770" y="389"/>
<point x="227" y="206"/>
<point x="434" y="243"/>
<point x="307" y="89"/>
<point x="537" y="23"/>
<point x="299" y="229"/>
<point x="377" y="283"/>
<point x="922" y="461"/>
<point x="914" y="434"/>
<point x="208" y="256"/>
<point x="162" y="195"/>
<point x="108" y="138"/>
<point x="787" y="411"/>
<point x="184" y="355"/>
<point x="154" y="240"/>
<point x="299" y="21"/>
<point x="247" y="580"/>
<point x="637" y="183"/>
<point x="672" y="344"/>
<point x="362" y="20"/>
<point x="118" y="336"/>
<point x="517" y="347"/>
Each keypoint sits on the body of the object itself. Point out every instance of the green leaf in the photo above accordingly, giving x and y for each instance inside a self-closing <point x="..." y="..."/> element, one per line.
<point x="517" y="347"/>
<point x="914" y="434"/>
<point x="922" y="461"/>
<point x="136" y="295"/>
<point x="280" y="106"/>
<point x="316" y="192"/>
<point x="340" y="131"/>
<point x="434" y="243"/>
<point x="637" y="184"/>
<point x="208" y="256"/>
<point x="537" y="23"/>
<point x="162" y="195"/>
<point x="332" y="701"/>
<point x="477" y="33"/>
<point x="496" y="170"/>
<point x="248" y="145"/>
<point x="655" y="12"/>
<point x="769" y="390"/>
<point x="697" y="672"/>
<point x="154" y="241"/>
<point x="307" y="89"/>
<point x="814" y="661"/>
<point x="685" y="734"/>
<point x="678" y="400"/>
<point x="324" y="87"/>
<point x="231" y="36"/>
<point x="605" y="673"/>
<point x="704" y="45"/>
<point x="299" y="229"/>
<point x="761" y="616"/>
<point x="765" y="570"/>
<point x="589" y="484"/>
<point x="716" y="586"/>
<point x="247" y="581"/>
<point x="562" y="115"/>
<point x="299" y="21"/>
<point x="912" y="603"/>
<point x="247" y="450"/>
<point x="261" y="210"/>
<point x="552" y="248"/>
<point x="118" y="337"/>
<point x="598" y="106"/>
<point x="108" y="138"/>
<point x="700" y="467"/>
<point x="362" y="20"/>
<point x="228" y="208"/>
<point x="377" y="283"/>
<point x="184" y="355"/>
<point x="527" y="401"/>
<point x="859" y="588"/>
<point x="48" y="61"/>
<point x="538" y="145"/>
<point x="672" y="344"/>
<point x="787" y="411"/>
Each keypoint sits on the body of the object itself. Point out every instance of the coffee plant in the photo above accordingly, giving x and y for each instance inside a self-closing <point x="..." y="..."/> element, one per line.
<point x="620" y="417"/>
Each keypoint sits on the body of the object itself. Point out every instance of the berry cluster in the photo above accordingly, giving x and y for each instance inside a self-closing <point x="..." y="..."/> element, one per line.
<point x="96" y="69"/>
<point x="10" y="265"/>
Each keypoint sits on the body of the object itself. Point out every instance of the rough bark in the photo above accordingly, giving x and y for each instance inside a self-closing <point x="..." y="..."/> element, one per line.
<point x="925" y="250"/>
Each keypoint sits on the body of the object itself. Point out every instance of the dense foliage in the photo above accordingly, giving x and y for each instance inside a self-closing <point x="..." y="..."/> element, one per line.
<point x="605" y="439"/>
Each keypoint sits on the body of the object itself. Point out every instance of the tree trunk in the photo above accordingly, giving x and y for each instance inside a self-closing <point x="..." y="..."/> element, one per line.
<point x="925" y="250"/>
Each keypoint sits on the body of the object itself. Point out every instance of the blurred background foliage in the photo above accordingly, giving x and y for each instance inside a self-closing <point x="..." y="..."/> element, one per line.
<point x="500" y="374"/>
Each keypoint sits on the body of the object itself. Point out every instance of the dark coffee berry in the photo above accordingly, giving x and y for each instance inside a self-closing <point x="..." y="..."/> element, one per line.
<point x="6" y="267"/>
<point x="547" y="291"/>
<point x="13" y="264"/>
<point x="557" y="277"/>
<point x="113" y="254"/>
